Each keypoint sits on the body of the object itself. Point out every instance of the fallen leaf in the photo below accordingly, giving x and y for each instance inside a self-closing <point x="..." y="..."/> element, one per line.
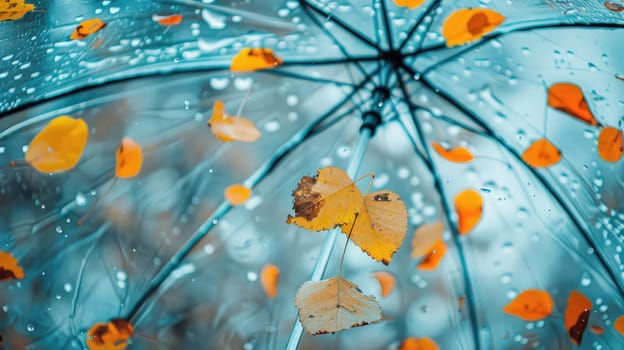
<point x="237" y="194"/>
<point x="531" y="305"/>
<point x="419" y="344"/>
<point x="456" y="155"/>
<point x="410" y="4"/>
<point x="612" y="6"/>
<point x="425" y="238"/>
<point x="269" y="278"/>
<point x="59" y="146"/>
<point x="9" y="267"/>
<point x="380" y="227"/>
<point x="87" y="27"/>
<point x="576" y="316"/>
<point x="326" y="200"/>
<point x="541" y="153"/>
<point x="386" y="282"/>
<point x="231" y="128"/>
<point x="129" y="159"/>
<point x="434" y="257"/>
<point x="250" y="60"/>
<point x="113" y="335"/>
<point x="619" y="325"/>
<point x="467" y="25"/>
<point x="469" y="208"/>
<point x="596" y="329"/>
<point x="12" y="10"/>
<point x="568" y="98"/>
<point x="334" y="304"/>
<point x="610" y="146"/>
<point x="167" y="21"/>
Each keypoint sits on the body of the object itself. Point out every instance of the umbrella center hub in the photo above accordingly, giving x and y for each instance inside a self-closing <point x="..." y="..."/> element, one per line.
<point x="393" y="57"/>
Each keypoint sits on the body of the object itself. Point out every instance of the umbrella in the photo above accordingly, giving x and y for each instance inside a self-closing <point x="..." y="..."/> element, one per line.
<point x="528" y="211"/>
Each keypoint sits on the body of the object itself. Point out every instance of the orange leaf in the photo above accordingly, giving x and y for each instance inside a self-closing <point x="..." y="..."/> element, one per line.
<point x="386" y="282"/>
<point x="610" y="146"/>
<point x="113" y="335"/>
<point x="380" y="226"/>
<point x="418" y="344"/>
<point x="249" y="60"/>
<point x="568" y="98"/>
<point x="334" y="304"/>
<point x="456" y="155"/>
<point x="576" y="316"/>
<point x="9" y="267"/>
<point x="410" y="4"/>
<point x="269" y="278"/>
<point x="129" y="159"/>
<point x="172" y="20"/>
<point x="326" y="200"/>
<point x="59" y="146"/>
<point x="541" y="153"/>
<point x="87" y="27"/>
<point x="466" y="25"/>
<point x="531" y="305"/>
<point x="433" y="259"/>
<point x="11" y="10"/>
<point x="425" y="238"/>
<point x="613" y="6"/>
<point x="469" y="207"/>
<point x="237" y="194"/>
<point x="229" y="128"/>
<point x="597" y="330"/>
<point x="619" y="324"/>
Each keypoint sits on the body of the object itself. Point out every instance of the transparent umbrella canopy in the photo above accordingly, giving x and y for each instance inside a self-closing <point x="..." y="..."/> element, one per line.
<point x="167" y="252"/>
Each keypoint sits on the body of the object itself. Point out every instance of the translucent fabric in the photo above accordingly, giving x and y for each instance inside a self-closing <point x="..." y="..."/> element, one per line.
<point x="168" y="252"/>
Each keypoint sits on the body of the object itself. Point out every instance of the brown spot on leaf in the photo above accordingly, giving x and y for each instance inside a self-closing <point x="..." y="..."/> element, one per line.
<point x="477" y="23"/>
<point x="6" y="274"/>
<point x="576" y="331"/>
<point x="98" y="333"/>
<point x="382" y="197"/>
<point x="306" y="202"/>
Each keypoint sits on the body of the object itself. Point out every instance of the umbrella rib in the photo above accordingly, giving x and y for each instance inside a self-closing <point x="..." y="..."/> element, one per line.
<point x="340" y="23"/>
<point x="386" y="22"/>
<point x="489" y="38"/>
<point x="470" y="293"/>
<point x="288" y="74"/>
<point x="341" y="47"/>
<point x="265" y="169"/>
<point x="540" y="178"/>
<point x="420" y="20"/>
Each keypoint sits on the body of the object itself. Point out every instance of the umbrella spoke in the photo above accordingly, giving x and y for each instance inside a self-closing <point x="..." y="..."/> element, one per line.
<point x="342" y="48"/>
<point x="487" y="39"/>
<point x="290" y="74"/>
<point x="254" y="179"/>
<point x="386" y="22"/>
<point x="570" y="211"/>
<point x="470" y="291"/>
<point x="429" y="11"/>
<point x="306" y="4"/>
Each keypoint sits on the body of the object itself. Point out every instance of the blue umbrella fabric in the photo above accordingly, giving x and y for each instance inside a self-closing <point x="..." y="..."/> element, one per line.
<point x="167" y="252"/>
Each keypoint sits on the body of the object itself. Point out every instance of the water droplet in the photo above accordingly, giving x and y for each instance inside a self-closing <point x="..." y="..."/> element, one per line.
<point x="81" y="200"/>
<point x="67" y="287"/>
<point x="114" y="10"/>
<point x="252" y="276"/>
<point x="585" y="280"/>
<point x="403" y="173"/>
<point x="292" y="100"/>
<point x="30" y="327"/>
<point x="272" y="126"/>
<point x="526" y="51"/>
<point x="505" y="278"/>
<point x="219" y="83"/>
<point x="59" y="229"/>
<point x="243" y="84"/>
<point x="209" y="249"/>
